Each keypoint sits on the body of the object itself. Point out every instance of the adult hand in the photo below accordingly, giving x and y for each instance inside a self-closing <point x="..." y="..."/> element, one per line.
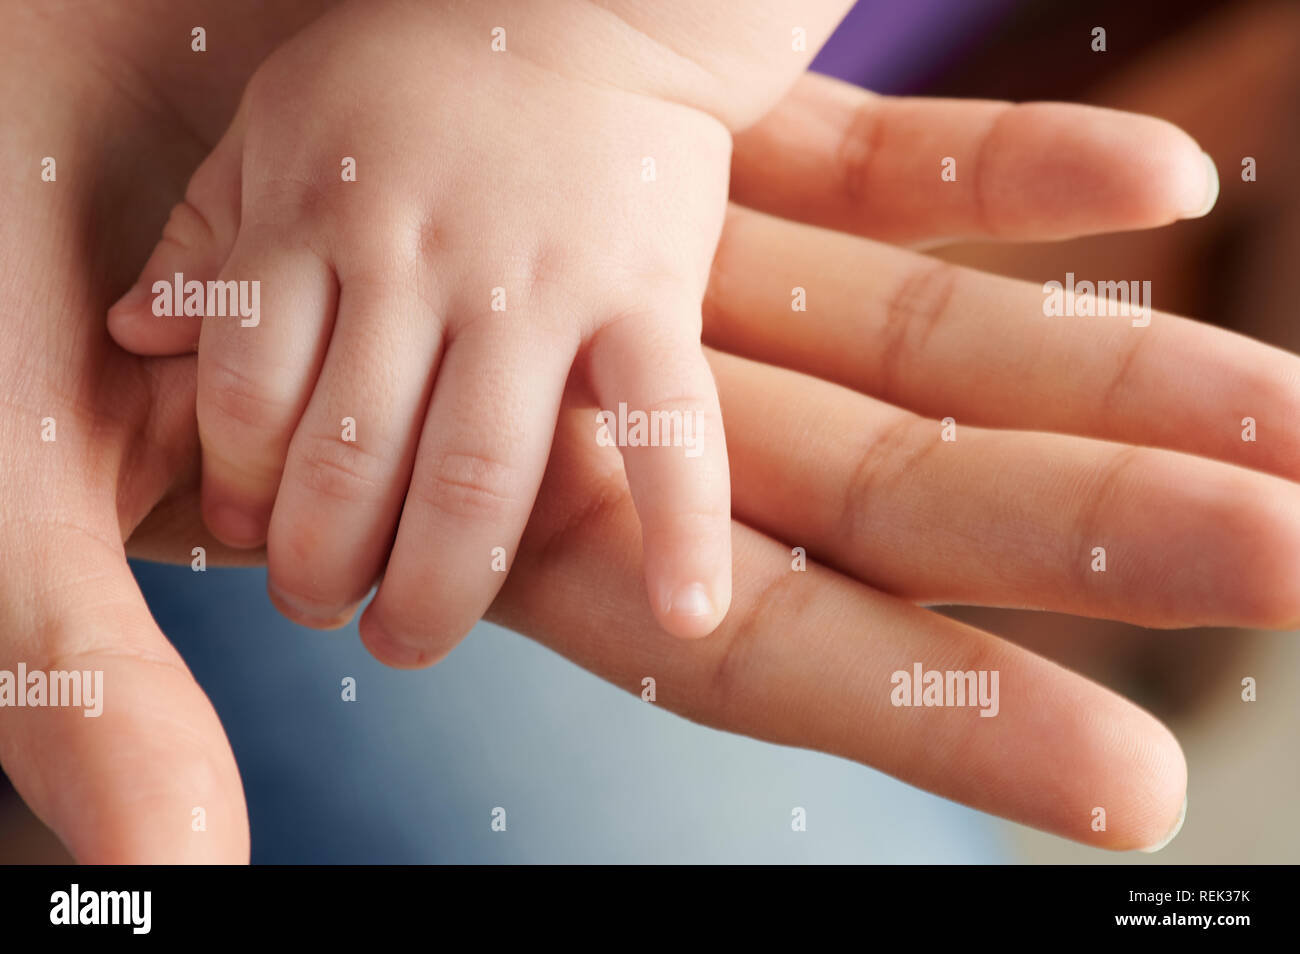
<point x="122" y="787"/>
<point x="842" y="454"/>
<point x="94" y="438"/>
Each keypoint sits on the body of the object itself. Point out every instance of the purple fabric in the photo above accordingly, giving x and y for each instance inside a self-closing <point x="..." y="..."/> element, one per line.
<point x="893" y="46"/>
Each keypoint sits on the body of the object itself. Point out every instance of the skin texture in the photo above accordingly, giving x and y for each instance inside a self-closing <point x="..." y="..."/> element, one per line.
<point x="439" y="298"/>
<point x="1230" y="82"/>
<point x="803" y="658"/>
<point x="379" y="304"/>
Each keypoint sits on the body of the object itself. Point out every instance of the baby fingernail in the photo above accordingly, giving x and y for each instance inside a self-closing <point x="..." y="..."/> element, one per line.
<point x="691" y="600"/>
<point x="391" y="650"/>
<point x="303" y="610"/>
<point x="237" y="527"/>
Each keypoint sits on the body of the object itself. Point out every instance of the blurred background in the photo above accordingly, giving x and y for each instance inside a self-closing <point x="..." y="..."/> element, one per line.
<point x="411" y="771"/>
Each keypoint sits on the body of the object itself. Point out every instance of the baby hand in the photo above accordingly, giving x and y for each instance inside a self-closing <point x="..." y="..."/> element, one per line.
<point x="412" y="239"/>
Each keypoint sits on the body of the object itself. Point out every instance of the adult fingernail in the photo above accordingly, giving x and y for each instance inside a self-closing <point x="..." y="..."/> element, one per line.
<point x="1178" y="826"/>
<point x="1211" y="188"/>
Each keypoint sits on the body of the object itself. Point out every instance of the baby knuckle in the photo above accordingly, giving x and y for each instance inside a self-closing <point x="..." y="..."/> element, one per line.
<point x="290" y="200"/>
<point x="469" y="486"/>
<point x="231" y="397"/>
<point x="338" y="470"/>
